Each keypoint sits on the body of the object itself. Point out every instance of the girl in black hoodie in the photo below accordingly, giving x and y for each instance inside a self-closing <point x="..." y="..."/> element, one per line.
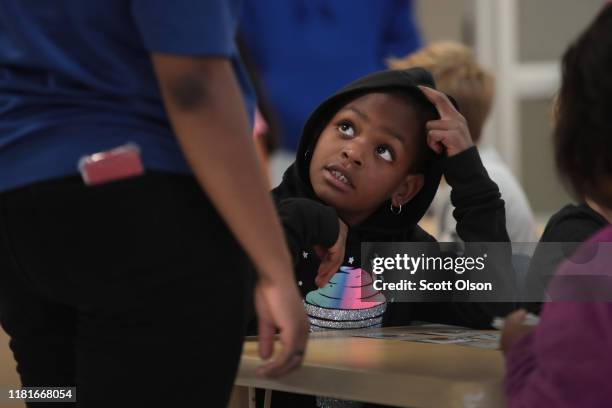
<point x="368" y="166"/>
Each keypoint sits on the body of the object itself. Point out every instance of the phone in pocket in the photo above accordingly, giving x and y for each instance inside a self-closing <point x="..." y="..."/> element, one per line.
<point x="116" y="164"/>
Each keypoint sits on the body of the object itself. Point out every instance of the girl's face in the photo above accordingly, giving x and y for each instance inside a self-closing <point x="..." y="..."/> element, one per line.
<point x="363" y="156"/>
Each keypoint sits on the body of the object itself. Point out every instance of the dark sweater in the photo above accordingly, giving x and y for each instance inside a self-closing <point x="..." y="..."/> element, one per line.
<point x="572" y="224"/>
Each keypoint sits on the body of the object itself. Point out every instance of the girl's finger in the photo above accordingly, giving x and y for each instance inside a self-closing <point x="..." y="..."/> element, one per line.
<point x="441" y="102"/>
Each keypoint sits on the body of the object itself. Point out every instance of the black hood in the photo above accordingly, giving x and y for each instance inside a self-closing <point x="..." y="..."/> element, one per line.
<point x="296" y="180"/>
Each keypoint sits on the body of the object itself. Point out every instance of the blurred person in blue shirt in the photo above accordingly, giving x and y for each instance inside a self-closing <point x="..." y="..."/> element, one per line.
<point x="304" y="50"/>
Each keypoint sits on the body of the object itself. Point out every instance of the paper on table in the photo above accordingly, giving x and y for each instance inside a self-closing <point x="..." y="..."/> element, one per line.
<point x="468" y="338"/>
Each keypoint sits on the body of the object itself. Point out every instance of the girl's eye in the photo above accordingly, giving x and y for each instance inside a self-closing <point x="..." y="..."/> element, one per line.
<point x="385" y="153"/>
<point x="346" y="129"/>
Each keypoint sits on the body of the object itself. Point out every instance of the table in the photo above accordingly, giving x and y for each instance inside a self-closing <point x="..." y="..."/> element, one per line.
<point x="384" y="371"/>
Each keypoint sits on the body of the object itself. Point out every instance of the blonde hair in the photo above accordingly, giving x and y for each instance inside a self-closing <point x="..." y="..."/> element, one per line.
<point x="458" y="74"/>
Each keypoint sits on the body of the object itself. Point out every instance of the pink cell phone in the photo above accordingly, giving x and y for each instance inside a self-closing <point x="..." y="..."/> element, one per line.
<point x="111" y="165"/>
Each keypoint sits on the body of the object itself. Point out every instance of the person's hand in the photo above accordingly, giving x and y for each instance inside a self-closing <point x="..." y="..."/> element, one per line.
<point x="331" y="258"/>
<point x="279" y="306"/>
<point x="450" y="132"/>
<point x="514" y="329"/>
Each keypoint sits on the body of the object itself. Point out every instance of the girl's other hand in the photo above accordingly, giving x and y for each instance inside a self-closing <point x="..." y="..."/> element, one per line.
<point x="331" y="258"/>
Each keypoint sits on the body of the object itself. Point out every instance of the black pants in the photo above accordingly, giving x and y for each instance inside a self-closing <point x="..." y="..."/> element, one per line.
<point x="135" y="291"/>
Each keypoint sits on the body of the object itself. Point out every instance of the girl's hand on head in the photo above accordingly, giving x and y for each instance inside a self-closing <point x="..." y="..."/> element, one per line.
<point x="331" y="258"/>
<point x="450" y="132"/>
<point x="514" y="329"/>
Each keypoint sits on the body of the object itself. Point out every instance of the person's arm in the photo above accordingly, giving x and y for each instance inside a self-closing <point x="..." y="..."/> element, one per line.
<point x="565" y="361"/>
<point x="310" y="224"/>
<point x="479" y="208"/>
<point x="307" y="223"/>
<point x="480" y="215"/>
<point x="207" y="113"/>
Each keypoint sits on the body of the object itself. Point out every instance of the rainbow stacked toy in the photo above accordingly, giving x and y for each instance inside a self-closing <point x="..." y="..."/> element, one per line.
<point x="348" y="301"/>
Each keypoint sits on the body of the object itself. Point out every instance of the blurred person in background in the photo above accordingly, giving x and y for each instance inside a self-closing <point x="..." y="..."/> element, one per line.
<point x="565" y="360"/>
<point x="572" y="224"/>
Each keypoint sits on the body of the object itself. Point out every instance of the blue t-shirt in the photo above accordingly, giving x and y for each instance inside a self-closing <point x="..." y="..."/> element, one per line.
<point x="76" y="78"/>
